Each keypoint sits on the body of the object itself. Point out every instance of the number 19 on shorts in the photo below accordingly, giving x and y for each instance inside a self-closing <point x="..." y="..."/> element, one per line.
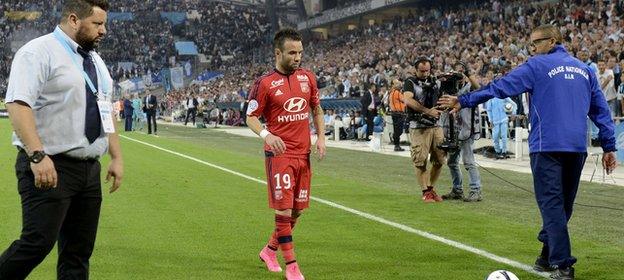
<point x="282" y="180"/>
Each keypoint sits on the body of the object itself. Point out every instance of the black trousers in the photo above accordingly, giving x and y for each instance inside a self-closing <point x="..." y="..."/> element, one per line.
<point x="398" y="123"/>
<point x="128" y="121"/>
<point x="68" y="214"/>
<point x="151" y="120"/>
<point x="190" y="112"/>
<point x="369" y="117"/>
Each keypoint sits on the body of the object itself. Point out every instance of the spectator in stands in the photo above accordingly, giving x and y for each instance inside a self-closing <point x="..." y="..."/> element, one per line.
<point x="606" y="80"/>
<point x="355" y="89"/>
<point x="329" y="120"/>
<point x="583" y="55"/>
<point x="355" y="122"/>
<point x="617" y="79"/>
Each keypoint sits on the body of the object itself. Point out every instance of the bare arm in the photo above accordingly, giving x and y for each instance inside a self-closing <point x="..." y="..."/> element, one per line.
<point x="115" y="168"/>
<point x="319" y="124"/>
<point x="473" y="82"/>
<point x="23" y="121"/>
<point x="606" y="81"/>
<point x="254" y="124"/>
<point x="276" y="143"/>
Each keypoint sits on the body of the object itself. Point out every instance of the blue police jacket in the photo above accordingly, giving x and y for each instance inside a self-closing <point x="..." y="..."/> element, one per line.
<point x="563" y="92"/>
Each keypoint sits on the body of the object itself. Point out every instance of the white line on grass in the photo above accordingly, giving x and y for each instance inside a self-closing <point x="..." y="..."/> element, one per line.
<point x="424" y="234"/>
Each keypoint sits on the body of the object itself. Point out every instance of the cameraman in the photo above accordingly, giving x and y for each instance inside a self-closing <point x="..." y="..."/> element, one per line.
<point x="420" y="94"/>
<point x="467" y="129"/>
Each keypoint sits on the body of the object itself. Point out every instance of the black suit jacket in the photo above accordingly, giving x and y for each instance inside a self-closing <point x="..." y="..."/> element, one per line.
<point x="151" y="101"/>
<point x="366" y="100"/>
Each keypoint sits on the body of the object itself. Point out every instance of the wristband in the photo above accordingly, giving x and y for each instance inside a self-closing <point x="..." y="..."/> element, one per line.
<point x="264" y="133"/>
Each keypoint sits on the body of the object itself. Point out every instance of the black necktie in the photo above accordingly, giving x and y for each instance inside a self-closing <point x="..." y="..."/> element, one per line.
<point x="93" y="124"/>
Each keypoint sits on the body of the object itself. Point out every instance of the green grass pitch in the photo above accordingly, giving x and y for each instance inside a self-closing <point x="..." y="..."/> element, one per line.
<point x="175" y="218"/>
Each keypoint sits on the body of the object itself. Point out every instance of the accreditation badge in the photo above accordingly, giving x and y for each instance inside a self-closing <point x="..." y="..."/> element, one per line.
<point x="106" y="115"/>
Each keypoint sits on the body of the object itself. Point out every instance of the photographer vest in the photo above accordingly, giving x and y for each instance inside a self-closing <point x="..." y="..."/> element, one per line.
<point x="426" y="92"/>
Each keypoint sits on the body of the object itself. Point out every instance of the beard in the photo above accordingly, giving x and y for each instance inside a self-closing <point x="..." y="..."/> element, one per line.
<point x="85" y="41"/>
<point x="290" y="67"/>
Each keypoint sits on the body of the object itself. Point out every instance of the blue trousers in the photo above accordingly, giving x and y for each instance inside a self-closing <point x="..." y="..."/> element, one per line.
<point x="499" y="136"/>
<point x="556" y="178"/>
<point x="469" y="163"/>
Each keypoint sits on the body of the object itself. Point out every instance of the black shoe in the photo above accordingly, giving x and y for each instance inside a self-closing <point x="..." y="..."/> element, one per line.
<point x="398" y="149"/>
<point x="563" y="274"/>
<point x="542" y="265"/>
<point x="453" y="195"/>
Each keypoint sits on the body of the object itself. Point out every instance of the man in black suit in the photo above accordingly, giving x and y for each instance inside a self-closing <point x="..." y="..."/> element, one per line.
<point x="369" y="108"/>
<point x="191" y="108"/>
<point x="149" y="107"/>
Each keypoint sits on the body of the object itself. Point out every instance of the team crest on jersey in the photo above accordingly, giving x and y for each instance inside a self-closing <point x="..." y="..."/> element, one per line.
<point x="302" y="78"/>
<point x="252" y="106"/>
<point x="277" y="83"/>
<point x="305" y="88"/>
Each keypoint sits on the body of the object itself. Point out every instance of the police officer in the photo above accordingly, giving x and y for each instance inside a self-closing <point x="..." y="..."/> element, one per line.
<point x="58" y="101"/>
<point x="563" y="92"/>
<point x="420" y="94"/>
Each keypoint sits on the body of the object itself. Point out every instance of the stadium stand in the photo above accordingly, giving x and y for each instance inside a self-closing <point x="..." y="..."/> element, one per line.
<point x="146" y="37"/>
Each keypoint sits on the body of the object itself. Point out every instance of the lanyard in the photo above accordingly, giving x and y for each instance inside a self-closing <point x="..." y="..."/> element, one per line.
<point x="71" y="54"/>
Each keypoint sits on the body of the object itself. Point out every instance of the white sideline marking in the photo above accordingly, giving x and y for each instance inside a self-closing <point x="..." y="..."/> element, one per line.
<point x="424" y="234"/>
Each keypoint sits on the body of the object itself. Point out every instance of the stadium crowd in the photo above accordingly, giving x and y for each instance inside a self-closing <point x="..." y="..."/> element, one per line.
<point x="146" y="43"/>
<point x="482" y="34"/>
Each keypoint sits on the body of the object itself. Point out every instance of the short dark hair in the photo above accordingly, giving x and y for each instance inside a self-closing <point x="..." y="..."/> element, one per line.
<point x="82" y="8"/>
<point x="282" y="35"/>
<point x="369" y="86"/>
<point x="422" y="60"/>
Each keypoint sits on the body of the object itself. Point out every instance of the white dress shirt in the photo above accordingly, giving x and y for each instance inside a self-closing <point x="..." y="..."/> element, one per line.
<point x="44" y="76"/>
